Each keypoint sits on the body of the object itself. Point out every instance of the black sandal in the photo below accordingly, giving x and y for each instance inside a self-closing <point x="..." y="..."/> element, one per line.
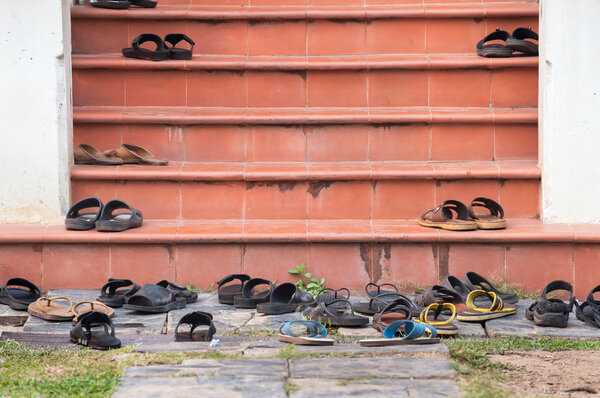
<point x="179" y="53"/>
<point x="161" y="53"/>
<point x="227" y="293"/>
<point x="195" y="319"/>
<point x="83" y="332"/>
<point x="286" y="298"/>
<point x="394" y="311"/>
<point x="474" y="281"/>
<point x="16" y="298"/>
<point x="518" y="43"/>
<point x="552" y="312"/>
<point x="143" y="3"/>
<point x="114" y="298"/>
<point x="371" y="293"/>
<point x="154" y="299"/>
<point x="328" y="295"/>
<point x="111" y="222"/>
<point x="180" y="291"/>
<point x="589" y="310"/>
<point x="83" y="221"/>
<point x="495" y="50"/>
<point x="111" y="4"/>
<point x="251" y="297"/>
<point x="337" y="313"/>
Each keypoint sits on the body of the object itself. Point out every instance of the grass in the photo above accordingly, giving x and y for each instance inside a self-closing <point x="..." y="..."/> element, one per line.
<point x="480" y="377"/>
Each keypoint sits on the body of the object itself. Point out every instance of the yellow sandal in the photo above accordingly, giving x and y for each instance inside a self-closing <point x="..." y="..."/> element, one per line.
<point x="475" y="313"/>
<point x="444" y="327"/>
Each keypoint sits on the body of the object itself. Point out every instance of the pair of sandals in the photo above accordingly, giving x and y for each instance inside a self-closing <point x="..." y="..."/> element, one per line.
<point x="19" y="293"/>
<point x="404" y="332"/>
<point x="124" y="154"/>
<point x="161" y="297"/>
<point x="48" y="309"/>
<point x="95" y="330"/>
<point x="122" y="4"/>
<point x="163" y="51"/>
<point x="114" y="216"/>
<point x="554" y="312"/>
<point x="453" y="215"/>
<point x="517" y="42"/>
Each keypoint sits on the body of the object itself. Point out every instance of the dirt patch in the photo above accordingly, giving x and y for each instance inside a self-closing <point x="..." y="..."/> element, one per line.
<point x="563" y="373"/>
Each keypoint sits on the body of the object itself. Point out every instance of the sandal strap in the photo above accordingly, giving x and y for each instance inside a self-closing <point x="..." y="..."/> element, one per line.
<point x="497" y="303"/>
<point x="23" y="283"/>
<point x="146" y="37"/>
<point x="92" y="305"/>
<point x="175" y="38"/>
<point x="230" y="278"/>
<point x="493" y="206"/>
<point x="252" y="283"/>
<point x="84" y="204"/>
<point x="313" y="327"/>
<point x="496" y="35"/>
<point x="524" y="33"/>
<point x="335" y="292"/>
<point x="412" y="330"/>
<point x="446" y="211"/>
<point x="370" y="292"/>
<point x="438" y="309"/>
<point x="50" y="299"/>
<point x="110" y="288"/>
<point x="195" y="319"/>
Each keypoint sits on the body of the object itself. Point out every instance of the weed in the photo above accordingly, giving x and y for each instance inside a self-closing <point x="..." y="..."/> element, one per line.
<point x="307" y="282"/>
<point x="290" y="387"/>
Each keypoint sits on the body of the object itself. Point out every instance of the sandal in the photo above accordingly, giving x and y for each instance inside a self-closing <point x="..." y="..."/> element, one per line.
<point x="227" y="293"/>
<point x="371" y="293"/>
<point x="88" y="306"/>
<point x="46" y="308"/>
<point x="316" y="333"/>
<point x="110" y="222"/>
<point x="154" y="299"/>
<point x="477" y="313"/>
<point x="86" y="332"/>
<point x="443" y="217"/>
<point x="193" y="320"/>
<point x="438" y="294"/>
<point x="474" y="281"/>
<point x="444" y="327"/>
<point x="161" y="53"/>
<point x="83" y="221"/>
<point x="589" y="310"/>
<point x="495" y="50"/>
<point x="286" y="298"/>
<point x="411" y="333"/>
<point x="552" y="312"/>
<point x="112" y="297"/>
<point x="133" y="154"/>
<point x="16" y="298"/>
<point x="87" y="154"/>
<point x="250" y="296"/>
<point x="335" y="315"/>
<point x="323" y="296"/>
<point x="180" y="291"/>
<point x="143" y="3"/>
<point x="111" y="4"/>
<point x="394" y="311"/>
<point x="493" y="220"/>
<point x="452" y="283"/>
<point x="518" y="43"/>
<point x="179" y="53"/>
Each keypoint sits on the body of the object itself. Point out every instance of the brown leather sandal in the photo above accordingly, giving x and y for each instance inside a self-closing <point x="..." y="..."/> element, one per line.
<point x="451" y="215"/>
<point x="46" y="308"/>
<point x="133" y="154"/>
<point x="87" y="154"/>
<point x="492" y="220"/>
<point x="87" y="306"/>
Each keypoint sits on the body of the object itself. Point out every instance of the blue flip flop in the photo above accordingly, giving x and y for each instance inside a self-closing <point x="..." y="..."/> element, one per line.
<point x="317" y="333"/>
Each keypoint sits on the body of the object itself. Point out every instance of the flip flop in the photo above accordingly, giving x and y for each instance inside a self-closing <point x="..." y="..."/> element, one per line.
<point x="374" y="290"/>
<point x="286" y="298"/>
<point x="451" y="215"/>
<point x="552" y="311"/>
<point x="474" y="281"/>
<point x="111" y="222"/>
<point x="394" y="311"/>
<point x="251" y="296"/>
<point x="377" y="303"/>
<point x="226" y="291"/>
<point x="160" y="53"/>
<point x="477" y="312"/>
<point x="411" y="333"/>
<point x="95" y="330"/>
<point x="335" y="315"/>
<point x="16" y="298"/>
<point x="87" y="154"/>
<point x="133" y="154"/>
<point x="438" y="294"/>
<point x="154" y="299"/>
<point x="431" y="316"/>
<point x="495" y="50"/>
<point x="78" y="221"/>
<point x="180" y="291"/>
<point x="328" y="295"/>
<point x="111" y="296"/>
<point x="494" y="219"/>
<point x="46" y="308"/>
<point x="111" y="4"/>
<point x="518" y="43"/>
<point x="193" y="320"/>
<point x="316" y="333"/>
<point x="179" y="53"/>
<point x="89" y="306"/>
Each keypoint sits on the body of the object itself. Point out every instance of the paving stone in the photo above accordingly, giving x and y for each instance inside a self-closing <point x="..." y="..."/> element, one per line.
<point x="204" y="386"/>
<point x="518" y="325"/>
<point x="374" y="388"/>
<point x="221" y="367"/>
<point x="270" y="322"/>
<point x="440" y="350"/>
<point x="470" y="330"/>
<point x="391" y="367"/>
<point x="226" y="345"/>
<point x="10" y="317"/>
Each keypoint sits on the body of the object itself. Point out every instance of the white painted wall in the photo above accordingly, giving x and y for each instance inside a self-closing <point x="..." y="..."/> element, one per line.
<point x="35" y="110"/>
<point x="569" y="114"/>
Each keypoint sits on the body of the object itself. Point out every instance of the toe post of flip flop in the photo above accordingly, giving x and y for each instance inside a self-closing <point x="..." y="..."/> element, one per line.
<point x="451" y="215"/>
<point x="317" y="333"/>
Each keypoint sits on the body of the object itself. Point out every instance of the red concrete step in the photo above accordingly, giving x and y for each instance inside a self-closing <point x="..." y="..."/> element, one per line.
<point x="304" y="30"/>
<point x="351" y="253"/>
<point x="443" y="82"/>
<point x="312" y="191"/>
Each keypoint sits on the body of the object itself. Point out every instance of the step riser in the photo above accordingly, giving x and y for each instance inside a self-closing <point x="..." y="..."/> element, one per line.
<point x="512" y="87"/>
<point x="325" y="143"/>
<point x="319" y="2"/>
<point x="301" y="37"/>
<point x="313" y="200"/>
<point x="352" y="265"/>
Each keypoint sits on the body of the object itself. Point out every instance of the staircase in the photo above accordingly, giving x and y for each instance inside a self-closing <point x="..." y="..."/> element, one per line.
<point x="309" y="131"/>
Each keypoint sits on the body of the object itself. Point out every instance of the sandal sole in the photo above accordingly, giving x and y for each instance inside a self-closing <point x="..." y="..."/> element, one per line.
<point x="304" y="340"/>
<point x="177" y="305"/>
<point x="397" y="341"/>
<point x="448" y="226"/>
